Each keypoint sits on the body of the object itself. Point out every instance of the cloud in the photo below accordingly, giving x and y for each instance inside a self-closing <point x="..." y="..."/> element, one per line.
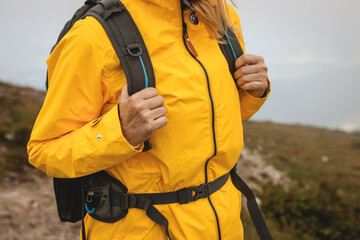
<point x="350" y="127"/>
<point x="307" y="58"/>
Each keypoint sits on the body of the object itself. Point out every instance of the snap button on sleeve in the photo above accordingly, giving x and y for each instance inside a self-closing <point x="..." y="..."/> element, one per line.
<point x="99" y="137"/>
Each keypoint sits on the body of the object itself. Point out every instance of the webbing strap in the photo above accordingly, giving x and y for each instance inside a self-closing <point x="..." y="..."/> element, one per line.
<point x="154" y="214"/>
<point x="252" y="205"/>
<point x="231" y="49"/>
<point x="181" y="196"/>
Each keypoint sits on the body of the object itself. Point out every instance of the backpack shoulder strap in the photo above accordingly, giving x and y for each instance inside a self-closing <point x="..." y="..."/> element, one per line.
<point x="231" y="48"/>
<point x="127" y="42"/>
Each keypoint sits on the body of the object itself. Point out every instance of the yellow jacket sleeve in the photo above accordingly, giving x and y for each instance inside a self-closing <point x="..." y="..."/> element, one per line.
<point x="70" y="137"/>
<point x="249" y="104"/>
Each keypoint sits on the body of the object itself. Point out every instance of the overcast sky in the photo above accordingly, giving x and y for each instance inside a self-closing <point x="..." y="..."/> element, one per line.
<point x="312" y="48"/>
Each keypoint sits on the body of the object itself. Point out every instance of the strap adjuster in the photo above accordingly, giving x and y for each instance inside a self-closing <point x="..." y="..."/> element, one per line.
<point x="134" y="49"/>
<point x="110" y="7"/>
<point x="201" y="191"/>
<point x="127" y="201"/>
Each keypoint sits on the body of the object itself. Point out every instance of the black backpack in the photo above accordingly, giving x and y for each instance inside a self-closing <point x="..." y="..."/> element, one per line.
<point x="135" y="60"/>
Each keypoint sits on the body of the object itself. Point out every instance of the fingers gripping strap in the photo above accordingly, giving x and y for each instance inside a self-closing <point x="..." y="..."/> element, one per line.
<point x="253" y="207"/>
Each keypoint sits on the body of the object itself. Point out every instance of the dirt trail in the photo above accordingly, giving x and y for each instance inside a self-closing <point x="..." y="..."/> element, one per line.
<point x="28" y="210"/>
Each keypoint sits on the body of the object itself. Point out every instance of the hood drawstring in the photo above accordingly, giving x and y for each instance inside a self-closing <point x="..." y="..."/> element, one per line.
<point x="193" y="18"/>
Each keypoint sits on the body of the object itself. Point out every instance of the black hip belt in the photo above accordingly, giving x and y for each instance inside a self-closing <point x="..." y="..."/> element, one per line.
<point x="106" y="199"/>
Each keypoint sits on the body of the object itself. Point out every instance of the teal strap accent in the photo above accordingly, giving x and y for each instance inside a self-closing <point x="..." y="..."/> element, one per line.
<point x="231" y="46"/>
<point x="146" y="77"/>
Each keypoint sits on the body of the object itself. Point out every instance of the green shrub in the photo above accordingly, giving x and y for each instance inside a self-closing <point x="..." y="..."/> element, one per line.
<point x="316" y="210"/>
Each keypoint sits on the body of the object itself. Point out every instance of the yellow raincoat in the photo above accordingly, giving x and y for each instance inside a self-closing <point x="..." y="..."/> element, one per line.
<point x="78" y="131"/>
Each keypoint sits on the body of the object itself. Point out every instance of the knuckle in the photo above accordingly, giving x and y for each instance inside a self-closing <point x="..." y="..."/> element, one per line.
<point x="245" y="69"/>
<point x="264" y="68"/>
<point x="138" y="106"/>
<point x="145" y="115"/>
<point x="246" y="57"/>
<point x="245" y="86"/>
<point x="152" y="90"/>
<point x="148" y="127"/>
<point x="246" y="78"/>
<point x="250" y="86"/>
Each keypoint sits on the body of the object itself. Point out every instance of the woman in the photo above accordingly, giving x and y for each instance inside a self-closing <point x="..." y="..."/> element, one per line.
<point x="193" y="117"/>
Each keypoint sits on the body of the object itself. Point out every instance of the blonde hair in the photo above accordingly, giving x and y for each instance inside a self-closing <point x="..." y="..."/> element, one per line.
<point x="214" y="14"/>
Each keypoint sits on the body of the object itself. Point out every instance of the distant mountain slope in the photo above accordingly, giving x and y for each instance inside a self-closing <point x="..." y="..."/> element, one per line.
<point x="19" y="108"/>
<point x="308" y="153"/>
<point x="322" y="201"/>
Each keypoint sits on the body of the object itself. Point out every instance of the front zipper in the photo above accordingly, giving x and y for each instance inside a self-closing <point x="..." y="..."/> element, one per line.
<point x="193" y="53"/>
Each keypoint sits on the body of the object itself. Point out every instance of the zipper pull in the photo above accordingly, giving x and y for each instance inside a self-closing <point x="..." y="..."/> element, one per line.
<point x="188" y="42"/>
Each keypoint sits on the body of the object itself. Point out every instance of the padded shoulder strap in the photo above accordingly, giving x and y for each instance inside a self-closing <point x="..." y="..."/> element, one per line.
<point x="127" y="42"/>
<point x="231" y="49"/>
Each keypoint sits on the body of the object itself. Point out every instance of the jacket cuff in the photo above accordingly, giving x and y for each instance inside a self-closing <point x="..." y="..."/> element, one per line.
<point x="101" y="144"/>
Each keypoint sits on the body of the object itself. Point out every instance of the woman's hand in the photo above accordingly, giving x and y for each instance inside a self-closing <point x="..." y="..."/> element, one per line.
<point x="141" y="114"/>
<point x="251" y="74"/>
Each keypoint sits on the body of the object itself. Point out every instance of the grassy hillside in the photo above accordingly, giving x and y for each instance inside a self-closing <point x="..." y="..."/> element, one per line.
<point x="323" y="200"/>
<point x="19" y="107"/>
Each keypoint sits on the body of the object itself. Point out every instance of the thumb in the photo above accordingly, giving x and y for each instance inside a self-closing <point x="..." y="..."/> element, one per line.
<point x="124" y="94"/>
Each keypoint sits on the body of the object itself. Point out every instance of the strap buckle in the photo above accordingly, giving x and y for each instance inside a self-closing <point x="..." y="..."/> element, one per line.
<point x="201" y="191"/>
<point x="134" y="49"/>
